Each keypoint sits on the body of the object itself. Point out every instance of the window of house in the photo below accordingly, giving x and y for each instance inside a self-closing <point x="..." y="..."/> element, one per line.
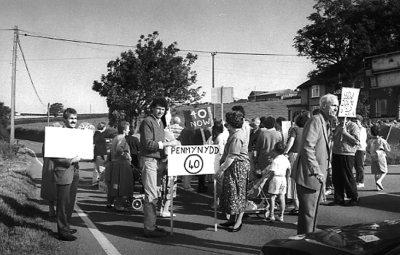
<point x="315" y="91"/>
<point x="381" y="107"/>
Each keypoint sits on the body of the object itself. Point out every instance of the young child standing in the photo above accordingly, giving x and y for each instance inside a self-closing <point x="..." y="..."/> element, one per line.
<point x="280" y="169"/>
<point x="377" y="147"/>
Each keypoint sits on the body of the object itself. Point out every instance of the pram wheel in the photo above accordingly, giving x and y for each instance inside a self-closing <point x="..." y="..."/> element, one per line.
<point x="137" y="204"/>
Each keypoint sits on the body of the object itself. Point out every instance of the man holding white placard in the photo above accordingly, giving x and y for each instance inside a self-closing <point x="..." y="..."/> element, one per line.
<point x="66" y="176"/>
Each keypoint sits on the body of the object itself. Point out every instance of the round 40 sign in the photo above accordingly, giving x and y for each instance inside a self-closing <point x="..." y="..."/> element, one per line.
<point x="193" y="160"/>
<point x="193" y="164"/>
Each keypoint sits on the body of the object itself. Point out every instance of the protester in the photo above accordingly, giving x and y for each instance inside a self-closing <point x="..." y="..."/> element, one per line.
<point x="120" y="175"/>
<point x="152" y="143"/>
<point x="293" y="148"/>
<point x="100" y="152"/>
<point x="66" y="177"/>
<point x="377" y="147"/>
<point x="186" y="138"/>
<point x="345" y="142"/>
<point x="198" y="139"/>
<point x="280" y="169"/>
<point x="175" y="126"/>
<point x="163" y="179"/>
<point x="254" y="133"/>
<point x="246" y="126"/>
<point x="234" y="169"/>
<point x="265" y="144"/>
<point x="134" y="148"/>
<point x="313" y="162"/>
<point x="360" y="153"/>
<point x="278" y="126"/>
<point x="48" y="189"/>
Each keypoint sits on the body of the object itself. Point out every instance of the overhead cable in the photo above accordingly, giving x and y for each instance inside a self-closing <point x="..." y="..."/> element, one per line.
<point x="184" y="50"/>
<point x="27" y="69"/>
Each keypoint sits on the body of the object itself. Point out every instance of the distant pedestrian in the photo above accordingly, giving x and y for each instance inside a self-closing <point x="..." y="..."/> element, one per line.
<point x="360" y="153"/>
<point x="377" y="147"/>
<point x="100" y="152"/>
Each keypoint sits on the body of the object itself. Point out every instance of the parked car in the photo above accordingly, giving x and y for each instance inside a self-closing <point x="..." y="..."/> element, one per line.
<point x="382" y="238"/>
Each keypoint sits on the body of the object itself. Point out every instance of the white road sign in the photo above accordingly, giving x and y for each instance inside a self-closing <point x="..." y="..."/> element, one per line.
<point x="193" y="160"/>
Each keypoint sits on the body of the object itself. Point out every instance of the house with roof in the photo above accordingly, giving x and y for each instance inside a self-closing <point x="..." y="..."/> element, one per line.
<point x="257" y="96"/>
<point x="378" y="81"/>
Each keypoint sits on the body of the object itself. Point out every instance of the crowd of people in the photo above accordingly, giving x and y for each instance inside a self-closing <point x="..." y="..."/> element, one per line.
<point x="316" y="155"/>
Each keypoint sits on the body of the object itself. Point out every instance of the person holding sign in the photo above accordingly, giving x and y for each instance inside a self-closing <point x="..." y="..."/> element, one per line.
<point x="152" y="143"/>
<point x="233" y="171"/>
<point x="66" y="176"/>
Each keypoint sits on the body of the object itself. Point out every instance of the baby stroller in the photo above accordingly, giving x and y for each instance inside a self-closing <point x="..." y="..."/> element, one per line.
<point x="257" y="199"/>
<point x="136" y="201"/>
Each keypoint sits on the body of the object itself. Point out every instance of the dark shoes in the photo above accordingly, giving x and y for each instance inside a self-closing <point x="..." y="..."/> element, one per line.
<point x="202" y="189"/>
<point x="66" y="237"/>
<point x="227" y="224"/>
<point x="73" y="231"/>
<point x="157" y="232"/>
<point x="294" y="212"/>
<point x="333" y="203"/>
<point x="353" y="202"/>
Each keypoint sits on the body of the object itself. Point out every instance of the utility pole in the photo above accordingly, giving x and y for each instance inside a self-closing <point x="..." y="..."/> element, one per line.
<point x="213" y="85"/>
<point x="13" y="85"/>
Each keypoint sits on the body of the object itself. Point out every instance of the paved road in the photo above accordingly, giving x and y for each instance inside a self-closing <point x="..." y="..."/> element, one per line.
<point x="121" y="233"/>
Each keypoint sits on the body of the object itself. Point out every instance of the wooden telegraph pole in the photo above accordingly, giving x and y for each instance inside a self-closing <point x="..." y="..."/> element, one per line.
<point x="13" y="85"/>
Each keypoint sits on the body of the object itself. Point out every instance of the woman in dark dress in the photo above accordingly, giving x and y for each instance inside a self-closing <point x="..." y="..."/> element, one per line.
<point x="233" y="171"/>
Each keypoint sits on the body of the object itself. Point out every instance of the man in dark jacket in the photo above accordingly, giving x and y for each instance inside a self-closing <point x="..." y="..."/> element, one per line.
<point x="66" y="176"/>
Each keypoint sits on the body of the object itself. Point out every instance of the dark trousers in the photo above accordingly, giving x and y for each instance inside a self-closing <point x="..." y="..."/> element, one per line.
<point x="359" y="166"/>
<point x="66" y="196"/>
<point x="343" y="178"/>
<point x="308" y="206"/>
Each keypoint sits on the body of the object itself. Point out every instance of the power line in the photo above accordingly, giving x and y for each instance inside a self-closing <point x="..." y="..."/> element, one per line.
<point x="132" y="46"/>
<point x="27" y="69"/>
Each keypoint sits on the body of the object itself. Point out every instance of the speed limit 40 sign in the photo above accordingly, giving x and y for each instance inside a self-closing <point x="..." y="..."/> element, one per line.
<point x="193" y="160"/>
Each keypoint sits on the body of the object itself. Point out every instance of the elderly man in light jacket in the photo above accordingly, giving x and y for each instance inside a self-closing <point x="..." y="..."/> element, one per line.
<point x="313" y="162"/>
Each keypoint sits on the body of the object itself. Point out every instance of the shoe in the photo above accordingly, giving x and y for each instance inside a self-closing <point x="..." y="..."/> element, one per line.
<point x="109" y="206"/>
<point x="227" y="224"/>
<point x="73" y="230"/>
<point x="270" y="218"/>
<point x="294" y="212"/>
<point x="353" y="202"/>
<point x="236" y="229"/>
<point x="333" y="203"/>
<point x="328" y="192"/>
<point x="379" y="185"/>
<point x="280" y="218"/>
<point x="166" y="214"/>
<point x="157" y="232"/>
<point x="66" y="237"/>
<point x="360" y="185"/>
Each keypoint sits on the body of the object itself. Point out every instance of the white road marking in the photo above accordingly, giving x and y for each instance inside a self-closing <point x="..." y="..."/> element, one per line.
<point x="107" y="246"/>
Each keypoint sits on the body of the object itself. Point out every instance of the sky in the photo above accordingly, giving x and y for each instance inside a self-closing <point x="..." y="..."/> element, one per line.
<point x="63" y="72"/>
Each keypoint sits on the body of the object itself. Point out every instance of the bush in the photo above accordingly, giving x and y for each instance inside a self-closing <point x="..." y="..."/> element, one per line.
<point x="8" y="151"/>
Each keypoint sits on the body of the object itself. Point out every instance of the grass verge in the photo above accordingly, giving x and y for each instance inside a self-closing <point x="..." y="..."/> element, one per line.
<point x="23" y="227"/>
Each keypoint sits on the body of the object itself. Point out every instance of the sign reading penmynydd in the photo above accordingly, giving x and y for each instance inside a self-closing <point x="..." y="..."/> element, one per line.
<point x="348" y="102"/>
<point x="193" y="160"/>
<point x="199" y="118"/>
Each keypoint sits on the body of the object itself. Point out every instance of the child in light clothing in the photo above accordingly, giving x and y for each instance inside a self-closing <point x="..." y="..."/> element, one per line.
<point x="280" y="169"/>
<point x="377" y="147"/>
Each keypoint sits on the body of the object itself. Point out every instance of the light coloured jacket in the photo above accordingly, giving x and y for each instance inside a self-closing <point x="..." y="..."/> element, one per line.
<point x="315" y="154"/>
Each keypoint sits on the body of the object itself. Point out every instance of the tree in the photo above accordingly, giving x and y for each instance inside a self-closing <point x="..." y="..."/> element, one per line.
<point x="56" y="109"/>
<point x="151" y="70"/>
<point x="5" y="118"/>
<point x="343" y="32"/>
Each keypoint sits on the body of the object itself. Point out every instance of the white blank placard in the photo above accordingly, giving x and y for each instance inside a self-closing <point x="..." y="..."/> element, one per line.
<point x="68" y="143"/>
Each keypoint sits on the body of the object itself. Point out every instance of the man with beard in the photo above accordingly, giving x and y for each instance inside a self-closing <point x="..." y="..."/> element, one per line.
<point x="313" y="162"/>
